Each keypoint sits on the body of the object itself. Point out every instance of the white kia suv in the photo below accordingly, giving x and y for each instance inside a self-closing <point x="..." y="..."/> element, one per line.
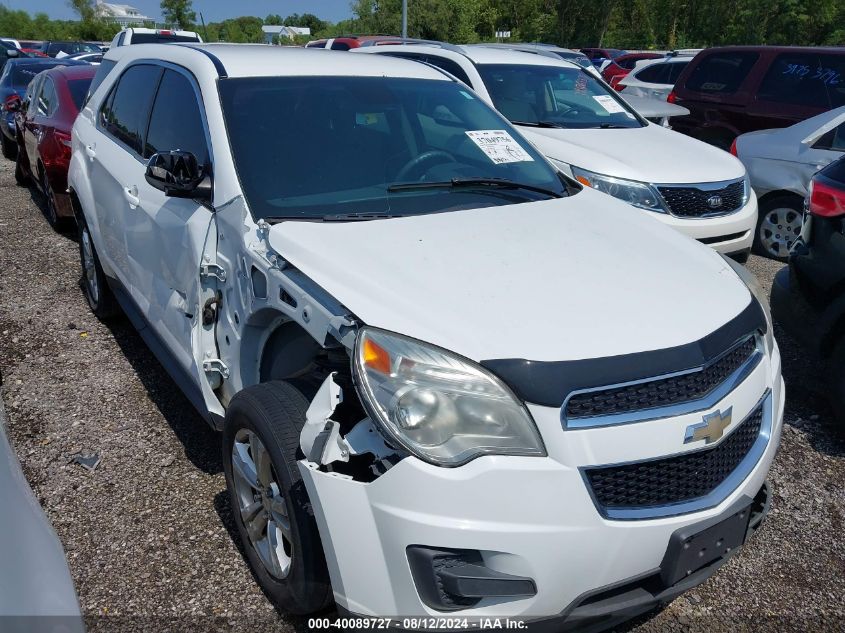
<point x="450" y="380"/>
<point x="591" y="133"/>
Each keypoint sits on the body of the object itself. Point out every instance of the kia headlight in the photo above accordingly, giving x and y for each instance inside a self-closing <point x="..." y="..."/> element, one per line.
<point x="638" y="194"/>
<point x="756" y="290"/>
<point x="439" y="406"/>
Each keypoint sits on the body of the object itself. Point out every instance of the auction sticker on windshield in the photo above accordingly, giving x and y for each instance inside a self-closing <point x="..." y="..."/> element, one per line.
<point x="499" y="146"/>
<point x="609" y="104"/>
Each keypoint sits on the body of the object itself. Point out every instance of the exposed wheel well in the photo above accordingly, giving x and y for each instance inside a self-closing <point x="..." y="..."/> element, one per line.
<point x="771" y="195"/>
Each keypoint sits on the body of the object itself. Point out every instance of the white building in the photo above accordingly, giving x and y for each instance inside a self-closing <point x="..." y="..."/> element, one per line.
<point x="272" y="31"/>
<point x="123" y="14"/>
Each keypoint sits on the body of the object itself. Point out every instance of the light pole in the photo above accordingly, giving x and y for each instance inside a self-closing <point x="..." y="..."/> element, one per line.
<point x="404" y="19"/>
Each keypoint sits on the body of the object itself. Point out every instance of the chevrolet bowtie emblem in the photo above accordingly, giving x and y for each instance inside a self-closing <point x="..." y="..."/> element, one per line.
<point x="711" y="429"/>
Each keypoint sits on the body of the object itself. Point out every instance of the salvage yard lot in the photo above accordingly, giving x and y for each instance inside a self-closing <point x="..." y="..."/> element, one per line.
<point x="148" y="533"/>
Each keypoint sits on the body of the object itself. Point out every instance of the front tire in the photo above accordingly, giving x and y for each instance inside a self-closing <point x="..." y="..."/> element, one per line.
<point x="270" y="505"/>
<point x="778" y="225"/>
<point x="8" y="147"/>
<point x="94" y="284"/>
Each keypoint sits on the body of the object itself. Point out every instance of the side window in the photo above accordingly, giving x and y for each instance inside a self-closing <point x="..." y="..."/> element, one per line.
<point x="833" y="140"/>
<point x="340" y="46"/>
<point x="127" y="110"/>
<point x="721" y="73"/>
<point x="627" y="64"/>
<point x="121" y="38"/>
<point x="32" y="96"/>
<point x="654" y="74"/>
<point x="102" y="72"/>
<point x="675" y="70"/>
<point x="451" y="67"/>
<point x="806" y="79"/>
<point x="177" y="121"/>
<point x="47" y="99"/>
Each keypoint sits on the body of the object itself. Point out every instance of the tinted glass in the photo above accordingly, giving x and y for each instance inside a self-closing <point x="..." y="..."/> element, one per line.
<point x="675" y="70"/>
<point x="71" y="47"/>
<point x="176" y="121"/>
<point x="305" y="147"/>
<point x="721" y="73"/>
<point x="23" y="74"/>
<point x="159" y="38"/>
<point x="32" y="96"/>
<point x="103" y="70"/>
<point x="47" y="98"/>
<point x="78" y="89"/>
<point x="554" y="96"/>
<point x="340" y="46"/>
<point x="127" y="110"/>
<point x="807" y="79"/>
<point x="835" y="172"/>
<point x="833" y="140"/>
<point x="654" y="74"/>
<point x="450" y="67"/>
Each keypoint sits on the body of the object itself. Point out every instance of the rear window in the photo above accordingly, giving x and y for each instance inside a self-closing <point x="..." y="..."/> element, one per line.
<point x="78" y="89"/>
<point x="654" y="74"/>
<point x="721" y="73"/>
<point x="806" y="79"/>
<point x="162" y="38"/>
<point x="22" y="75"/>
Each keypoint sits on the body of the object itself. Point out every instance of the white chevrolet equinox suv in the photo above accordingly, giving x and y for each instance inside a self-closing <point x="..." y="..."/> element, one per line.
<point x="449" y="379"/>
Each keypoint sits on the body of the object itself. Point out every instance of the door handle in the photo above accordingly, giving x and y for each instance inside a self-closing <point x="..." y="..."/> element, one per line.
<point x="131" y="195"/>
<point x="90" y="151"/>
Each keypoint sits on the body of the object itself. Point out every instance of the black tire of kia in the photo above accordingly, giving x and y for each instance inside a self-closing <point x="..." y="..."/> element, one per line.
<point x="275" y="411"/>
<point x="836" y="384"/>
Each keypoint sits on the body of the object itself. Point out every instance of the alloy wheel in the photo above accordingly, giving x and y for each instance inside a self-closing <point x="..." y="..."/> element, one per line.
<point x="261" y="504"/>
<point x="778" y="229"/>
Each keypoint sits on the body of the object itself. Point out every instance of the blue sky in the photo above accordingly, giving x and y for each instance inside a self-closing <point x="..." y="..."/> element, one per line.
<point x="212" y="10"/>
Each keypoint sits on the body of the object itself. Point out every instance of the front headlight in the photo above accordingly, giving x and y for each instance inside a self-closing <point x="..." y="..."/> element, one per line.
<point x="442" y="408"/>
<point x="759" y="294"/>
<point x="746" y="192"/>
<point x="639" y="194"/>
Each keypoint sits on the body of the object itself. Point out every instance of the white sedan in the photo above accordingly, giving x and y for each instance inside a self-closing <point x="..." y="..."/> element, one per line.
<point x="653" y="77"/>
<point x="781" y="163"/>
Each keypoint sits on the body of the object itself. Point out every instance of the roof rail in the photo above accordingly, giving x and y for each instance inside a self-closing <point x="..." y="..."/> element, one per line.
<point x="408" y="41"/>
<point x="543" y="51"/>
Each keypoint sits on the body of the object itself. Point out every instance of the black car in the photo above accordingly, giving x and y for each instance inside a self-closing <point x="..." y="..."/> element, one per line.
<point x="808" y="296"/>
<point x="54" y="47"/>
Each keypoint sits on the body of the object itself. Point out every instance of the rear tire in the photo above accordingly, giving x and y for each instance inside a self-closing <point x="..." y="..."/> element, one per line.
<point x="51" y="210"/>
<point x="20" y="175"/>
<point x="94" y="284"/>
<point x="778" y="225"/>
<point x="269" y="502"/>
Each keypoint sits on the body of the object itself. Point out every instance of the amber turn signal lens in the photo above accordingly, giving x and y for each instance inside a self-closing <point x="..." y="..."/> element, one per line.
<point x="376" y="357"/>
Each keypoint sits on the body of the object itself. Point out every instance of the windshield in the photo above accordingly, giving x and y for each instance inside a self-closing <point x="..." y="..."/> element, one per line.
<point x="311" y="147"/>
<point x="554" y="96"/>
<point x="23" y="74"/>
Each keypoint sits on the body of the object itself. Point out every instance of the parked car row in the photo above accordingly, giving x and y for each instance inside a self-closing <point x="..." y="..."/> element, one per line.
<point x="356" y="329"/>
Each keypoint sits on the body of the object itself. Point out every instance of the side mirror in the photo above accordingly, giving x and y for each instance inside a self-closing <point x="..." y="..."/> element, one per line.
<point x="12" y="52"/>
<point x="179" y="175"/>
<point x="13" y="106"/>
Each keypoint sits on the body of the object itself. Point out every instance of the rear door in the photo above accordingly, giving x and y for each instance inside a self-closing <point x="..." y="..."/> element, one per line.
<point x="166" y="236"/>
<point x="798" y="85"/>
<point x="117" y="164"/>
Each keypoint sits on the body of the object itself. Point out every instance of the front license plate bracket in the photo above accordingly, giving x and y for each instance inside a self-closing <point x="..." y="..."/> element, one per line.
<point x="696" y="546"/>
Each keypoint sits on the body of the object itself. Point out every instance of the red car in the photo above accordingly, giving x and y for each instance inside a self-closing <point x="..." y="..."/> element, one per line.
<point x="622" y="65"/>
<point x="43" y="124"/>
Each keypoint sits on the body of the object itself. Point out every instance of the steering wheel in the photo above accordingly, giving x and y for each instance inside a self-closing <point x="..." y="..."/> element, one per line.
<point x="426" y="159"/>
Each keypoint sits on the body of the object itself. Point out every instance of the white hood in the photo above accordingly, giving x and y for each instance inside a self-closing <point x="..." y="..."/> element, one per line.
<point x="566" y="279"/>
<point x="648" y="154"/>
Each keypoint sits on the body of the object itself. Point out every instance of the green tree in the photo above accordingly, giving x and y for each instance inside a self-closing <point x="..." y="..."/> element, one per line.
<point x="179" y="13"/>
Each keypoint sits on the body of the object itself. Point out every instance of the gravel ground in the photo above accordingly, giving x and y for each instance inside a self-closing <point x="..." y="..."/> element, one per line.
<point x="148" y="533"/>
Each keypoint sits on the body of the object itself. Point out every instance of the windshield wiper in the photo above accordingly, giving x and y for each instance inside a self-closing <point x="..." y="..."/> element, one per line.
<point x="353" y="217"/>
<point x="543" y="124"/>
<point x="456" y="183"/>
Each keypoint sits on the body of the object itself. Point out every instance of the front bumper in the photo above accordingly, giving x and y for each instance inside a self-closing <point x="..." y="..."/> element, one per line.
<point x="526" y="517"/>
<point x="728" y="234"/>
